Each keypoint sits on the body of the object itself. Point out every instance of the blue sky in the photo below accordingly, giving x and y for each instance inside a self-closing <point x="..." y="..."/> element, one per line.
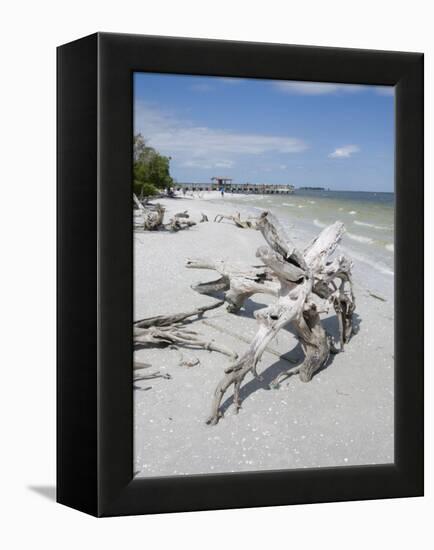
<point x="262" y="131"/>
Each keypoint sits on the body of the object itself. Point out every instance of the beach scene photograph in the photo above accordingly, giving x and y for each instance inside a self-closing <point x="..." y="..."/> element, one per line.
<point x="263" y="240"/>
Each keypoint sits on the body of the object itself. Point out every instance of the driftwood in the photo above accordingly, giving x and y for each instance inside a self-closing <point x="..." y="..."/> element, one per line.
<point x="184" y="214"/>
<point x="176" y="335"/>
<point x="153" y="218"/>
<point x="237" y="280"/>
<point x="304" y="279"/>
<point x="138" y="203"/>
<point x="169" y="330"/>
<point x="168" y="320"/>
<point x="178" y="222"/>
<point x="376" y="296"/>
<point x="150" y="376"/>
<point x="249" y="223"/>
<point x="186" y="361"/>
<point x="242" y="338"/>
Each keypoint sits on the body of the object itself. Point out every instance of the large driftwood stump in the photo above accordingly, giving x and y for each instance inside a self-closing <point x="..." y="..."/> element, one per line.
<point x="305" y="278"/>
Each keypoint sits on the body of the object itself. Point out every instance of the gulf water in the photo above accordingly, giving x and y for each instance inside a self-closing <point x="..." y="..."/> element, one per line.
<point x="368" y="218"/>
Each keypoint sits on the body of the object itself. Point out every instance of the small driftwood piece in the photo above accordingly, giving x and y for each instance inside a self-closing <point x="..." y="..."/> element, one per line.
<point x="153" y="217"/>
<point x="169" y="330"/>
<point x="138" y="203"/>
<point x="138" y="365"/>
<point x="180" y="221"/>
<point x="151" y="376"/>
<point x="376" y="296"/>
<point x="184" y="214"/>
<point x="176" y="318"/>
<point x="186" y="361"/>
<point x="304" y="278"/>
<point x="177" y="335"/>
<point x="237" y="280"/>
<point x="249" y="223"/>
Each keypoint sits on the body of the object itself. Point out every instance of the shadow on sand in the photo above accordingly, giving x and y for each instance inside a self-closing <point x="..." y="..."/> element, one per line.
<point x="266" y="377"/>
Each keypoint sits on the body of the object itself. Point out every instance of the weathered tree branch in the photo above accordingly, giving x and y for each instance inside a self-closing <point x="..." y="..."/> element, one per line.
<point x="238" y="280"/>
<point x="249" y="223"/>
<point x="175" y="318"/>
<point x="178" y="336"/>
<point x="168" y="330"/>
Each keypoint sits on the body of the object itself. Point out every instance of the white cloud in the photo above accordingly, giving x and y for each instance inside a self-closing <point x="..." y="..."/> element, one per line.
<point x="198" y="163"/>
<point x="315" y="88"/>
<point x="202" y="146"/>
<point x="205" y="164"/>
<point x="224" y="164"/>
<point x="344" y="152"/>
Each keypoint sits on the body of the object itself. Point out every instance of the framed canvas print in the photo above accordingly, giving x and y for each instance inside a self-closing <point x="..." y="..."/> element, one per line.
<point x="240" y="274"/>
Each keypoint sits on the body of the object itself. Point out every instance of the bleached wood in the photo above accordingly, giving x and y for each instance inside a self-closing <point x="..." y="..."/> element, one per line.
<point x="153" y="217"/>
<point x="301" y="275"/>
<point x="240" y="281"/>
<point x="138" y="203"/>
<point x="170" y="330"/>
<point x="249" y="223"/>
<point x="177" y="335"/>
<point x="175" y="318"/>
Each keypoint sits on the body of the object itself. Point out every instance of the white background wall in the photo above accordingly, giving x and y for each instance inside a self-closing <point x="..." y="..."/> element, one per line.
<point x="30" y="31"/>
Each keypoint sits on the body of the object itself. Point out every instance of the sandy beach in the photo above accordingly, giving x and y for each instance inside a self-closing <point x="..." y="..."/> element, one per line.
<point x="343" y="417"/>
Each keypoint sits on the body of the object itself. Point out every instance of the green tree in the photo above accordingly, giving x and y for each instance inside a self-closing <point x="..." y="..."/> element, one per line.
<point x="151" y="170"/>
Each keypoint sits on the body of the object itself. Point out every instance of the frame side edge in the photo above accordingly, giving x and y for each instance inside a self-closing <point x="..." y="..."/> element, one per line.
<point x="76" y="275"/>
<point x="409" y="384"/>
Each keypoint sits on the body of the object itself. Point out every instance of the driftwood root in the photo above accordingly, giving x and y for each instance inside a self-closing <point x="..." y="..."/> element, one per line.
<point x="303" y="278"/>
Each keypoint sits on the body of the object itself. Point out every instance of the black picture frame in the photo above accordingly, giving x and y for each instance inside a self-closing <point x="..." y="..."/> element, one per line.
<point x="95" y="288"/>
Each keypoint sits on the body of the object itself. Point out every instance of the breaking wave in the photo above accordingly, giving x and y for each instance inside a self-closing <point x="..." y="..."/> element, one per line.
<point x="381" y="268"/>
<point x="318" y="223"/>
<point x="359" y="238"/>
<point x="365" y="224"/>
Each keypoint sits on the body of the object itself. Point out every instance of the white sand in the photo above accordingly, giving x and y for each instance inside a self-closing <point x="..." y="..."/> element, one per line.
<point x="344" y="416"/>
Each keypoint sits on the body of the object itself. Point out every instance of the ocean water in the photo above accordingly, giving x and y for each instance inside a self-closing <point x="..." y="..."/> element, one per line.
<point x="368" y="219"/>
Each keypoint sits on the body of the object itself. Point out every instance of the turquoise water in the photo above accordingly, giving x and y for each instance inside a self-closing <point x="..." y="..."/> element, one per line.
<point x="368" y="219"/>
